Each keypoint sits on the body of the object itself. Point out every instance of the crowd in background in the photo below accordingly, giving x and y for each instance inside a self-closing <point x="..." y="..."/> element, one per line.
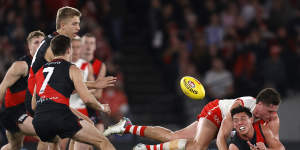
<point x="20" y="17"/>
<point x="235" y="47"/>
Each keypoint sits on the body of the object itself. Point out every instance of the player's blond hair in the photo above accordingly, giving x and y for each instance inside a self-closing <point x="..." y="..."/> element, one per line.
<point x="34" y="34"/>
<point x="65" y="13"/>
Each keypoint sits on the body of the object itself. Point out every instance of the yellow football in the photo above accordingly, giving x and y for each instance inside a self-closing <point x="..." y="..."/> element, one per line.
<point x="192" y="88"/>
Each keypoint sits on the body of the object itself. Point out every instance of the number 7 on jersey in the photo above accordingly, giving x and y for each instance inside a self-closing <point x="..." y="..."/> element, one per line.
<point x="49" y="71"/>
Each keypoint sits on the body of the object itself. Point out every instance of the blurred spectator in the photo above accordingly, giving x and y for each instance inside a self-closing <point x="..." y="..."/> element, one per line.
<point x="200" y="55"/>
<point x="218" y="80"/>
<point x="247" y="76"/>
<point x="229" y="52"/>
<point x="274" y="71"/>
<point x="214" y="32"/>
<point x="229" y="15"/>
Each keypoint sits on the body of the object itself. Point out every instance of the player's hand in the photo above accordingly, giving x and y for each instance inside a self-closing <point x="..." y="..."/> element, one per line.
<point x="104" y="82"/>
<point x="261" y="146"/>
<point x="106" y="108"/>
<point x="252" y="147"/>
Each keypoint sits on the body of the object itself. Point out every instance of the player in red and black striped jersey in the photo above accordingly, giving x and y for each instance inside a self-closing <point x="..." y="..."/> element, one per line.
<point x="67" y="23"/>
<point x="55" y="82"/>
<point x="249" y="135"/>
<point x="13" y="86"/>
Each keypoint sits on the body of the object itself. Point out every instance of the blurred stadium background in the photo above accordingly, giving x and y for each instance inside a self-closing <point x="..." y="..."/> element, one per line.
<point x="234" y="47"/>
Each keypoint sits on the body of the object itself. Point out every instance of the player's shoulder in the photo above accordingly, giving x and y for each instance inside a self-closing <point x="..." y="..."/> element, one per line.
<point x="20" y="64"/>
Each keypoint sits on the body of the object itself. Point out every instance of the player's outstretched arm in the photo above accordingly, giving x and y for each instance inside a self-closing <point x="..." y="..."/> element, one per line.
<point x="101" y="83"/>
<point x="82" y="90"/>
<point x="14" y="73"/>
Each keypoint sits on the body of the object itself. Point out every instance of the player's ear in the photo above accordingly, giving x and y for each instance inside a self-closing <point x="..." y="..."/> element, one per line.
<point x="62" y="24"/>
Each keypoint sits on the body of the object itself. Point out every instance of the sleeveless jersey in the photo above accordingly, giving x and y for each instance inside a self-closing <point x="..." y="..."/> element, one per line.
<point x="37" y="62"/>
<point x="75" y="100"/>
<point x="53" y="83"/>
<point x="257" y="137"/>
<point x="247" y="101"/>
<point x="16" y="93"/>
<point x="97" y="64"/>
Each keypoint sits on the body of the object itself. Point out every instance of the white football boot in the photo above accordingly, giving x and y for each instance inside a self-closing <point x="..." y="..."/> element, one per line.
<point x="118" y="128"/>
<point x="140" y="146"/>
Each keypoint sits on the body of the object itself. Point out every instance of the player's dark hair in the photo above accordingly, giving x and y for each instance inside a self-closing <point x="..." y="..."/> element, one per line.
<point x="34" y="34"/>
<point x="241" y="109"/>
<point x="59" y="45"/>
<point x="268" y="96"/>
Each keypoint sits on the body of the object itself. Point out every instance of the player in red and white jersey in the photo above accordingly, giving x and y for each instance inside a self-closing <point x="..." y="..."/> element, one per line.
<point x="249" y="136"/>
<point x="213" y="120"/>
<point x="87" y="71"/>
<point x="75" y="100"/>
<point x="99" y="68"/>
<point x="55" y="82"/>
<point x="13" y="87"/>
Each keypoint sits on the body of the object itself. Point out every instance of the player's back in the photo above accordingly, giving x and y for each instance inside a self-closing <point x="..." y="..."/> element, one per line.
<point x="247" y="101"/>
<point x="53" y="86"/>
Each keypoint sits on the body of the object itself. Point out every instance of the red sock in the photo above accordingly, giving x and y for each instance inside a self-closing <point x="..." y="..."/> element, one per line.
<point x="155" y="147"/>
<point x="135" y="130"/>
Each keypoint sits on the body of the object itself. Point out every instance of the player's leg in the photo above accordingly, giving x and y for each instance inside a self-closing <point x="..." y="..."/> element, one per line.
<point x="100" y="127"/>
<point x="162" y="134"/>
<point x="153" y="132"/>
<point x="71" y="144"/>
<point x="206" y="132"/>
<point x="63" y="143"/>
<point x="26" y="127"/>
<point x="15" y="141"/>
<point x="80" y="146"/>
<point x="90" y="134"/>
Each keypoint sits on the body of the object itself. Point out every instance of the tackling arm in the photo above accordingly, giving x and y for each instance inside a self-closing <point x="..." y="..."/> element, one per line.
<point x="226" y="128"/>
<point x="271" y="140"/>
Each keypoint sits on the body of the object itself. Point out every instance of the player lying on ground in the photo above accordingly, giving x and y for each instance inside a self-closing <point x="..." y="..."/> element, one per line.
<point x="200" y="133"/>
<point x="249" y="136"/>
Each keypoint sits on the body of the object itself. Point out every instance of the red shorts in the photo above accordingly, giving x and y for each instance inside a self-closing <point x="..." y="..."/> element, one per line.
<point x="83" y="111"/>
<point x="212" y="112"/>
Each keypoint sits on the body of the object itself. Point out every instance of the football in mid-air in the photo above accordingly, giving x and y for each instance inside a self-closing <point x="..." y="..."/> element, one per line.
<point x="192" y="88"/>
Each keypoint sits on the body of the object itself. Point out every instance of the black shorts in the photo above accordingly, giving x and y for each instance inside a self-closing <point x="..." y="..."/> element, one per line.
<point x="94" y="115"/>
<point x="12" y="116"/>
<point x="28" y="107"/>
<point x="52" y="119"/>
